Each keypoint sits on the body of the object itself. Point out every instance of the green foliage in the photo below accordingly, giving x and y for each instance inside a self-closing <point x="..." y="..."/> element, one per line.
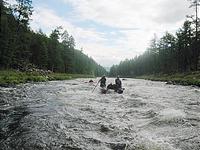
<point x="12" y="77"/>
<point x="22" y="11"/>
<point x="170" y="54"/>
<point x="21" y="46"/>
<point x="192" y="78"/>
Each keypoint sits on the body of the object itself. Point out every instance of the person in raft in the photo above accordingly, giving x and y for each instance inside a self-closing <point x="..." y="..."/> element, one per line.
<point x="103" y="81"/>
<point x="118" y="82"/>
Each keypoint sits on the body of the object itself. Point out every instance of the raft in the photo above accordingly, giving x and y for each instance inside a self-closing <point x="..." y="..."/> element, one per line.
<point x="104" y="90"/>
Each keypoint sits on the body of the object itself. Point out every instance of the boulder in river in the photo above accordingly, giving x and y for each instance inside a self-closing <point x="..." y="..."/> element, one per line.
<point x="104" y="128"/>
<point x="91" y="81"/>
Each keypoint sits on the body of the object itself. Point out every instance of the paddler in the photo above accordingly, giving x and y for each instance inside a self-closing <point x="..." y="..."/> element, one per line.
<point x="103" y="81"/>
<point x="118" y="82"/>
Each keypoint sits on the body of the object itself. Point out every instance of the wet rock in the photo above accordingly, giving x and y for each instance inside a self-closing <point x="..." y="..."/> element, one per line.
<point x="118" y="146"/>
<point x="74" y="84"/>
<point x="91" y="81"/>
<point x="104" y="128"/>
<point x="169" y="82"/>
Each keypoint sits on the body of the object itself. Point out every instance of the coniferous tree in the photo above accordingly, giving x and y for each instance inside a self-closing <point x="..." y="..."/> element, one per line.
<point x="196" y="42"/>
<point x="21" y="46"/>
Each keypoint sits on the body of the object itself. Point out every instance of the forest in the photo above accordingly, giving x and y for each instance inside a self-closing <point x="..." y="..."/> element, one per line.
<point x="22" y="48"/>
<point x="172" y="53"/>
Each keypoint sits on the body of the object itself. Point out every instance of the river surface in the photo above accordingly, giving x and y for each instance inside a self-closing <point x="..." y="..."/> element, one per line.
<point x="67" y="115"/>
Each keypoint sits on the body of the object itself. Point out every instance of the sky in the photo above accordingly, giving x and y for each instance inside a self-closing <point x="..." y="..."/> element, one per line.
<point x="111" y="30"/>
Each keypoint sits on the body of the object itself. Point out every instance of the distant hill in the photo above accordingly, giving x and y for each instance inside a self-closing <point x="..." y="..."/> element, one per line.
<point x="107" y="69"/>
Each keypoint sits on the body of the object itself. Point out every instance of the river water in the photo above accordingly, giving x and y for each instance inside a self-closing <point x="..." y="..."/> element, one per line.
<point x="67" y="115"/>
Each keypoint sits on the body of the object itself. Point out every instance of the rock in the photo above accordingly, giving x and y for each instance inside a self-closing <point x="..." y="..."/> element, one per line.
<point x="118" y="146"/>
<point x="104" y="128"/>
<point x="169" y="82"/>
<point x="91" y="81"/>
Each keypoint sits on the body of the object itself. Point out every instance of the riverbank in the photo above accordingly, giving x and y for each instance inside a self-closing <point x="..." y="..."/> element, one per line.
<point x="13" y="77"/>
<point x="192" y="78"/>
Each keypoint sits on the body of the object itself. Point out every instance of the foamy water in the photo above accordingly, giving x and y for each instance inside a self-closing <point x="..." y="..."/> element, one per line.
<point x="67" y="115"/>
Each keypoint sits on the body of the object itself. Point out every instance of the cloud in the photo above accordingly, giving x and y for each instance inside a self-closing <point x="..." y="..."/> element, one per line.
<point x="130" y="13"/>
<point x="172" y="11"/>
<point x="11" y="2"/>
<point x="126" y="26"/>
<point x="108" y="55"/>
<point x="90" y="39"/>
<point x="48" y="19"/>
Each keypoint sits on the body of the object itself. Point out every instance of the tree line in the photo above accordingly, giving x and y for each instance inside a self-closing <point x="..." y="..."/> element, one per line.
<point x="172" y="53"/>
<point x="20" y="45"/>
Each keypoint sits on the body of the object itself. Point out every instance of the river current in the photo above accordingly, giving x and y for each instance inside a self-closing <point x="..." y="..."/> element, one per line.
<point x="67" y="115"/>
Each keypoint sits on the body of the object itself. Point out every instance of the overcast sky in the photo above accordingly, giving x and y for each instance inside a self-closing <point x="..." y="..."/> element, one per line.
<point x="111" y="30"/>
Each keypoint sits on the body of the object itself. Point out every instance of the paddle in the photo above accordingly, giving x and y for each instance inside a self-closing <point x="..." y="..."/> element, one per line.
<point x="95" y="86"/>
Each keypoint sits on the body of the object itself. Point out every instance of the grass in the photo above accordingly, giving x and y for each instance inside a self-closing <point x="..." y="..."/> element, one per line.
<point x="13" y="77"/>
<point x="189" y="78"/>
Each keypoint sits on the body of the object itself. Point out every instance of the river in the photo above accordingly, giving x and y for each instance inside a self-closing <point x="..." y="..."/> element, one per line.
<point x="67" y="115"/>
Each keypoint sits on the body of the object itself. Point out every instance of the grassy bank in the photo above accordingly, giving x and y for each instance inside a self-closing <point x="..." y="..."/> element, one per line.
<point x="12" y="77"/>
<point x="191" y="78"/>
